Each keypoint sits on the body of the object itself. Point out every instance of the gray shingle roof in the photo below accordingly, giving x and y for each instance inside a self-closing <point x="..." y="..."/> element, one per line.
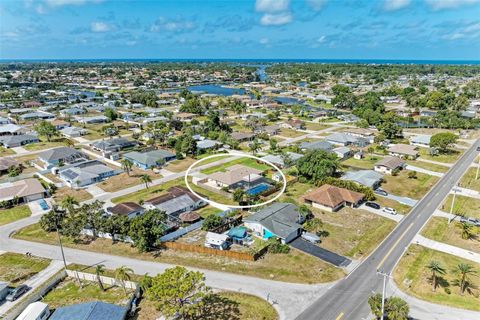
<point x="59" y="153"/>
<point x="94" y="310"/>
<point x="367" y="178"/>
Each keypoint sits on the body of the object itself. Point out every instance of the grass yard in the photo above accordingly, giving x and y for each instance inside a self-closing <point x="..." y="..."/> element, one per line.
<point x="182" y="165"/>
<point x="15" y="268"/>
<point x="467" y="206"/>
<point x="290" y="133"/>
<point x="123" y="180"/>
<point x="153" y="191"/>
<point x="219" y="198"/>
<point x="316" y="126"/>
<point x="294" y="267"/>
<point x="68" y="292"/>
<point x="295" y="191"/>
<point x="468" y="180"/>
<point x="399" y="207"/>
<point x="412" y="268"/>
<point x="353" y="232"/>
<point x="365" y="163"/>
<point x="450" y="157"/>
<point x="207" y="211"/>
<point x="14" y="214"/>
<point x="80" y="194"/>
<point x="249" y="162"/>
<point x="61" y="142"/>
<point x="6" y="152"/>
<point x="428" y="166"/>
<point x="438" y="229"/>
<point x="401" y="185"/>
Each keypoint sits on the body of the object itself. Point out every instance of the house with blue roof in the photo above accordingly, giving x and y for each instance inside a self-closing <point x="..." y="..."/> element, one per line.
<point x="94" y="310"/>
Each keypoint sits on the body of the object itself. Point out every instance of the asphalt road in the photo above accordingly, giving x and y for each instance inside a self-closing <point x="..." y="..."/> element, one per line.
<point x="321" y="253"/>
<point x="348" y="298"/>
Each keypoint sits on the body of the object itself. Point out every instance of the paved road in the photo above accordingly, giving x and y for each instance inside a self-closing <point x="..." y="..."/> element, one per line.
<point x="348" y="298"/>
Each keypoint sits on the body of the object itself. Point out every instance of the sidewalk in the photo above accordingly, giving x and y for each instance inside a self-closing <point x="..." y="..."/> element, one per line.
<point x="467" y="192"/>
<point x="435" y="162"/>
<point x="394" y="217"/>
<point x="446" y="248"/>
<point x="421" y="170"/>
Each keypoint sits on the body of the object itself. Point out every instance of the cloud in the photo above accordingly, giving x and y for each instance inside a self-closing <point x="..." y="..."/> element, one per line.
<point x="393" y="5"/>
<point x="316" y="5"/>
<point x="264" y="41"/>
<point x="60" y="3"/>
<point x="177" y="25"/>
<point x="233" y="23"/>
<point x="271" y="6"/>
<point x="276" y="19"/>
<point x="321" y="39"/>
<point x="449" y="4"/>
<point x="98" y="26"/>
<point x="454" y="36"/>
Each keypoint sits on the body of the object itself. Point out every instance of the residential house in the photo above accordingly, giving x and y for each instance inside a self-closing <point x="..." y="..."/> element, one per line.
<point x="149" y="159"/>
<point x="37" y="115"/>
<point x="343" y="152"/>
<point x="60" y="156"/>
<point x="271" y="130"/>
<point x="18" y="140"/>
<point x="73" y="111"/>
<point x="331" y="198"/>
<point x="184" y="116"/>
<point x="92" y="120"/>
<point x="388" y="165"/>
<point x="279" y="160"/>
<point x="421" y="140"/>
<point x="128" y="209"/>
<point x="60" y="124"/>
<point x="343" y="139"/>
<point x="4" y="120"/>
<point x="207" y="144"/>
<point x="242" y="136"/>
<point x="367" y="178"/>
<point x="85" y="173"/>
<point x="295" y="124"/>
<point x="176" y="201"/>
<point x="317" y="145"/>
<point x="93" y="310"/>
<point x="10" y="129"/>
<point x="113" y="145"/>
<point x="236" y="176"/>
<point x="361" y="133"/>
<point x="73" y="132"/>
<point x="25" y="190"/>
<point x="281" y="220"/>
<point x="403" y="150"/>
<point x="427" y="113"/>
<point x="6" y="163"/>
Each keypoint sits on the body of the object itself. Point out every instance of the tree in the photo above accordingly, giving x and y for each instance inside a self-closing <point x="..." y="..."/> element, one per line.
<point x="464" y="270"/>
<point x="123" y="274"/>
<point x="188" y="145"/>
<point x="412" y="175"/>
<point x="46" y="129"/>
<point x="178" y="292"/>
<point x="127" y="165"/>
<point x="115" y="225"/>
<point x="317" y="165"/>
<point x="238" y="195"/>
<point x="145" y="230"/>
<point x="92" y="214"/>
<point x="466" y="229"/>
<point x="443" y="141"/>
<point x="436" y="269"/>
<point x="254" y="146"/>
<point x="211" y="222"/>
<point x="273" y="144"/>
<point x="68" y="203"/>
<point x="396" y="309"/>
<point x="389" y="126"/>
<point x="111" y="114"/>
<point x="375" y="303"/>
<point x="145" y="178"/>
<point x="99" y="270"/>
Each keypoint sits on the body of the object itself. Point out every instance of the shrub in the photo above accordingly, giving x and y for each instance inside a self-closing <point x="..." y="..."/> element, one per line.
<point x="276" y="247"/>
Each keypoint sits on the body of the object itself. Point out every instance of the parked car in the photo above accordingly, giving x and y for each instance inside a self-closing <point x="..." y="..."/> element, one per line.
<point x="17" y="292"/>
<point x="389" y="210"/>
<point x="310" y="237"/>
<point x="373" y="205"/>
<point x="381" y="192"/>
<point x="475" y="222"/>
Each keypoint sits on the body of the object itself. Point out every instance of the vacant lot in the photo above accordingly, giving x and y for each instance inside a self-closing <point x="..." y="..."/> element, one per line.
<point x="182" y="165"/>
<point x="316" y="126"/>
<point x="14" y="214"/>
<point x="428" y="166"/>
<point x="440" y="230"/>
<point x="468" y="180"/>
<point x="412" y="276"/>
<point x="151" y="192"/>
<point x="290" y="133"/>
<point x="124" y="180"/>
<point x="80" y="194"/>
<point x="449" y="157"/>
<point x="463" y="206"/>
<point x="402" y="185"/>
<point x="292" y="267"/>
<point x="60" y="142"/>
<point x="69" y="292"/>
<point x="16" y="268"/>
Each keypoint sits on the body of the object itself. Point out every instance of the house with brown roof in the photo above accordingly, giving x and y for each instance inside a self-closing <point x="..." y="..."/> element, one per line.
<point x="293" y="124"/>
<point x="389" y="164"/>
<point x="331" y="198"/>
<point x="403" y="150"/>
<point x="24" y="190"/>
<point x="236" y="176"/>
<point x="184" y="116"/>
<point x="6" y="163"/>
<point x="129" y="209"/>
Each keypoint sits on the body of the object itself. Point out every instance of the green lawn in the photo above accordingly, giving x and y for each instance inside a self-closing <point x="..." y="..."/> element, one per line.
<point x="399" y="207"/>
<point x="15" y="268"/>
<point x="467" y="206"/>
<point x="366" y="163"/>
<point x="316" y="126"/>
<point x="290" y="133"/>
<point x="294" y="267"/>
<point x="249" y="162"/>
<point x="14" y="214"/>
<point x="46" y="145"/>
<point x="207" y="211"/>
<point x="428" y="166"/>
<point x="401" y="185"/>
<point x="468" y="180"/>
<point x="69" y="292"/>
<point x="412" y="269"/>
<point x="449" y="157"/>
<point x="6" y="152"/>
<point x="149" y="193"/>
<point x="440" y="230"/>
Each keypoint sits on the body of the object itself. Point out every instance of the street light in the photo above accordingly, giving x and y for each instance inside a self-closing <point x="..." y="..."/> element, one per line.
<point x="384" y="289"/>
<point x="453" y="202"/>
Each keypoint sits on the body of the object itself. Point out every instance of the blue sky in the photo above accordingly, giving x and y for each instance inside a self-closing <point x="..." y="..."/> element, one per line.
<point x="296" y="29"/>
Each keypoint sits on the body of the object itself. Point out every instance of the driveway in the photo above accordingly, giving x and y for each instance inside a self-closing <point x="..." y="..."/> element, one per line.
<point x="323" y="254"/>
<point x="394" y="217"/>
<point x="403" y="200"/>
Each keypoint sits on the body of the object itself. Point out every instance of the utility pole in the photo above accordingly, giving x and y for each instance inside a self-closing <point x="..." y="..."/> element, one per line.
<point x="453" y="202"/>
<point x="384" y="289"/>
<point x="57" y="225"/>
<point x="478" y="167"/>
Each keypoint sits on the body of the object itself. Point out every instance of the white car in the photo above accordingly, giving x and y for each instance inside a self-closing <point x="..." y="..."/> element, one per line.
<point x="389" y="210"/>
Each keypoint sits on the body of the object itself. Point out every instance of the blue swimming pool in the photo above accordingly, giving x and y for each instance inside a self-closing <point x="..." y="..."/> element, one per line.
<point x="258" y="189"/>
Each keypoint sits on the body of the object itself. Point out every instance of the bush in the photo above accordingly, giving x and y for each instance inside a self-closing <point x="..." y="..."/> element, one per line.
<point x="211" y="222"/>
<point x="276" y="247"/>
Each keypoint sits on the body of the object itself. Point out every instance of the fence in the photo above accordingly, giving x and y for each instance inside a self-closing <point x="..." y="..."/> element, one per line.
<point x="203" y="185"/>
<point x="232" y="222"/>
<point x="224" y="253"/>
<point x="105" y="280"/>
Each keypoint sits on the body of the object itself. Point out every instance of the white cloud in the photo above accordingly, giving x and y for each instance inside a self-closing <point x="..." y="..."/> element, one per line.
<point x="98" y="26"/>
<point x="59" y="3"/>
<point x="264" y="41"/>
<point x="392" y="5"/>
<point x="454" y="36"/>
<point x="272" y="6"/>
<point x="473" y="28"/>
<point x="276" y="19"/>
<point x="179" y="25"/>
<point x="321" y="39"/>
<point x="316" y="5"/>
<point x="449" y="4"/>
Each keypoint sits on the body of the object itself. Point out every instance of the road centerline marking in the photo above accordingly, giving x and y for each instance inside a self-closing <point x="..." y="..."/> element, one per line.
<point x="339" y="316"/>
<point x="394" y="245"/>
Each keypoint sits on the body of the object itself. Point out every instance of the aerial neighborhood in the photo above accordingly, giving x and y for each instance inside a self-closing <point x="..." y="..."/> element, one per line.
<point x="314" y="169"/>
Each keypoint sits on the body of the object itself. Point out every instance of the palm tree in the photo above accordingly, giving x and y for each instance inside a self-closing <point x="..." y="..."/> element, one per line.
<point x="145" y="178"/>
<point x="436" y="268"/>
<point x="68" y="203"/>
<point x="254" y="146"/>
<point x="127" y="165"/>
<point x="466" y="230"/>
<point x="464" y="271"/>
<point x="99" y="270"/>
<point x="123" y="274"/>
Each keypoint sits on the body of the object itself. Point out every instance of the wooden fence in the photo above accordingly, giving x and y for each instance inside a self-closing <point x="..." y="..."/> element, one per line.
<point x="224" y="253"/>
